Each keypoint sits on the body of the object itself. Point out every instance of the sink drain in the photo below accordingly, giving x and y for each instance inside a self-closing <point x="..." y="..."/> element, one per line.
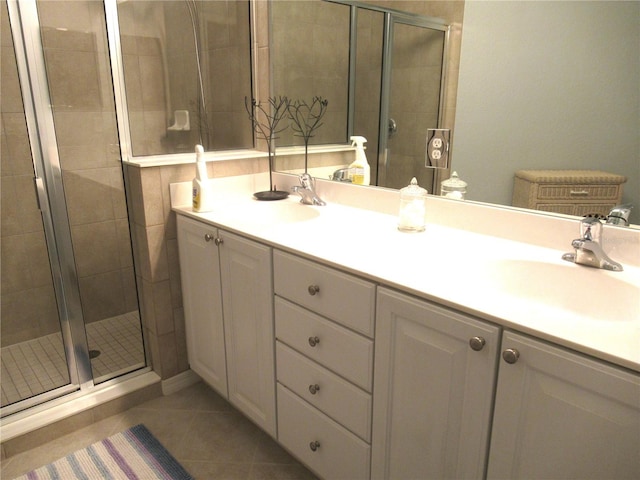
<point x="94" y="353"/>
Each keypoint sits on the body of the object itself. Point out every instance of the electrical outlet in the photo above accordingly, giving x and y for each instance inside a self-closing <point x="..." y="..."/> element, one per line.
<point x="437" y="148"/>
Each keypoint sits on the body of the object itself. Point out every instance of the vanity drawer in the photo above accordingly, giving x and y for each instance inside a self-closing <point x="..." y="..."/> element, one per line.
<point x="339" y="296"/>
<point x="339" y="399"/>
<point x="578" y="192"/>
<point x="339" y="454"/>
<point x="344" y="352"/>
<point x="572" y="192"/>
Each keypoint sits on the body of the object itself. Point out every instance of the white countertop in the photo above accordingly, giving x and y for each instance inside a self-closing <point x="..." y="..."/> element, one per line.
<point x="515" y="284"/>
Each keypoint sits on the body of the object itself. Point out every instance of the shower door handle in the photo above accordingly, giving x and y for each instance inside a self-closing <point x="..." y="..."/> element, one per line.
<point x="393" y="127"/>
<point x="38" y="185"/>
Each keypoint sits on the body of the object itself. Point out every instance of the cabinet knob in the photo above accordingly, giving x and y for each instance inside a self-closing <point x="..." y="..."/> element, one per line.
<point x="208" y="237"/>
<point x="314" y="389"/>
<point x="314" y="446"/>
<point x="219" y="241"/>
<point x="313" y="289"/>
<point x="313" y="341"/>
<point x="477" y="343"/>
<point x="511" y="355"/>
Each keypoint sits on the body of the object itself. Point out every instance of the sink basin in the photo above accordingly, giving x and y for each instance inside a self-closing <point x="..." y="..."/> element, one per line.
<point x="588" y="292"/>
<point x="275" y="212"/>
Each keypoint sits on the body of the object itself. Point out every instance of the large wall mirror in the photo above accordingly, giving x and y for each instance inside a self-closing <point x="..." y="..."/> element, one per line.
<point x="529" y="85"/>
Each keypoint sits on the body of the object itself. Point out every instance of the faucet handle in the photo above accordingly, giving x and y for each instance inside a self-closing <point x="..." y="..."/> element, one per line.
<point x="590" y="229"/>
<point x="619" y="215"/>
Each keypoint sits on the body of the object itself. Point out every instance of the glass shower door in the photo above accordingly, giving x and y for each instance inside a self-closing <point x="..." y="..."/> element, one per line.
<point x="412" y="98"/>
<point x="64" y="140"/>
<point x="78" y="73"/>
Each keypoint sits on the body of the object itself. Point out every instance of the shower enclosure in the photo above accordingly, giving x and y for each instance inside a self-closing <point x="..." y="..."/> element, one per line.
<point x="70" y="314"/>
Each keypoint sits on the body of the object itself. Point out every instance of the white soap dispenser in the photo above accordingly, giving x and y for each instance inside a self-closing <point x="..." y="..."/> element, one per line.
<point x="202" y="192"/>
<point x="359" y="170"/>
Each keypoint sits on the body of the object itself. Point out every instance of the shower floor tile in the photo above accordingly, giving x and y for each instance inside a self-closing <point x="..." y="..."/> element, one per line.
<point x="39" y="365"/>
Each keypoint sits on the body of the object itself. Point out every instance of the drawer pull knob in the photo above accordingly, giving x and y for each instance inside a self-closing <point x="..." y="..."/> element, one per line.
<point x="313" y="289"/>
<point x="219" y="241"/>
<point x="579" y="193"/>
<point x="313" y="341"/>
<point x="511" y="355"/>
<point x="477" y="343"/>
<point x="314" y="446"/>
<point x="208" y="237"/>
<point x="314" y="389"/>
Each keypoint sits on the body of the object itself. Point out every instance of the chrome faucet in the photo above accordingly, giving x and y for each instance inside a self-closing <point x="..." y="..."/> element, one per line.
<point x="341" y="175"/>
<point x="588" y="248"/>
<point x="307" y="190"/>
<point x="619" y="215"/>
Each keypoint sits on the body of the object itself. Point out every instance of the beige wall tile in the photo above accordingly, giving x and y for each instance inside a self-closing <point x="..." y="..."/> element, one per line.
<point x="147" y="310"/>
<point x="169" y="361"/>
<point x="174" y="272"/>
<point x="162" y="308"/>
<point x="158" y="264"/>
<point x="134" y="194"/>
<point x="181" y="340"/>
<point x="152" y="196"/>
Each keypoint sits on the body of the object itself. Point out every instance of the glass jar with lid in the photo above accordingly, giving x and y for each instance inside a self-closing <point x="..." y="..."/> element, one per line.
<point x="454" y="187"/>
<point x="413" y="208"/>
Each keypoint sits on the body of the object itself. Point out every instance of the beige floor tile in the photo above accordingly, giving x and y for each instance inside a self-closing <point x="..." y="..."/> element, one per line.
<point x="218" y="471"/>
<point x="203" y="431"/>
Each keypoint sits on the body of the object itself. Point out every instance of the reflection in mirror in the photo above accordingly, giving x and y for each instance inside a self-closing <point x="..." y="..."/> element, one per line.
<point x="187" y="70"/>
<point x="414" y="94"/>
<point x="310" y="58"/>
<point x="548" y="85"/>
<point x="396" y="78"/>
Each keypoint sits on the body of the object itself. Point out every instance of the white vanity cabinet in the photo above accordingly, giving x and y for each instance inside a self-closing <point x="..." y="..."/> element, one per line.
<point x="324" y="365"/>
<point x="228" y="305"/>
<point x="202" y="301"/>
<point x="559" y="414"/>
<point x="434" y="382"/>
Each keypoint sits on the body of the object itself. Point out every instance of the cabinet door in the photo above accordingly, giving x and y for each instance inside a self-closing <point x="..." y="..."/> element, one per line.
<point x="561" y="415"/>
<point x="247" y="298"/>
<point x="202" y="300"/>
<point x="433" y="393"/>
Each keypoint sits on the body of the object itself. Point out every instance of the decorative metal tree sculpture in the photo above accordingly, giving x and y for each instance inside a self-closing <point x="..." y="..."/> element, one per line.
<point x="265" y="120"/>
<point x="306" y="120"/>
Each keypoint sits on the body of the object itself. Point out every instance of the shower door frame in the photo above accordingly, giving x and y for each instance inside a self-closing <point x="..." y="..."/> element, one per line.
<point x="390" y="20"/>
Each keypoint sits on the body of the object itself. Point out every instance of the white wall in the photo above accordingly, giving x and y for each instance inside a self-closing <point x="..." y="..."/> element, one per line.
<point x="547" y="85"/>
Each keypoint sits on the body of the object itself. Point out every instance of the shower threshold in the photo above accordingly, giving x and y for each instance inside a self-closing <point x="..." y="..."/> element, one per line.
<point x="36" y="366"/>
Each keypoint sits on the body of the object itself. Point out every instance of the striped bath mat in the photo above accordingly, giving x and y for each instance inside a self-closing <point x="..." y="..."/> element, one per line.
<point x="132" y="454"/>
